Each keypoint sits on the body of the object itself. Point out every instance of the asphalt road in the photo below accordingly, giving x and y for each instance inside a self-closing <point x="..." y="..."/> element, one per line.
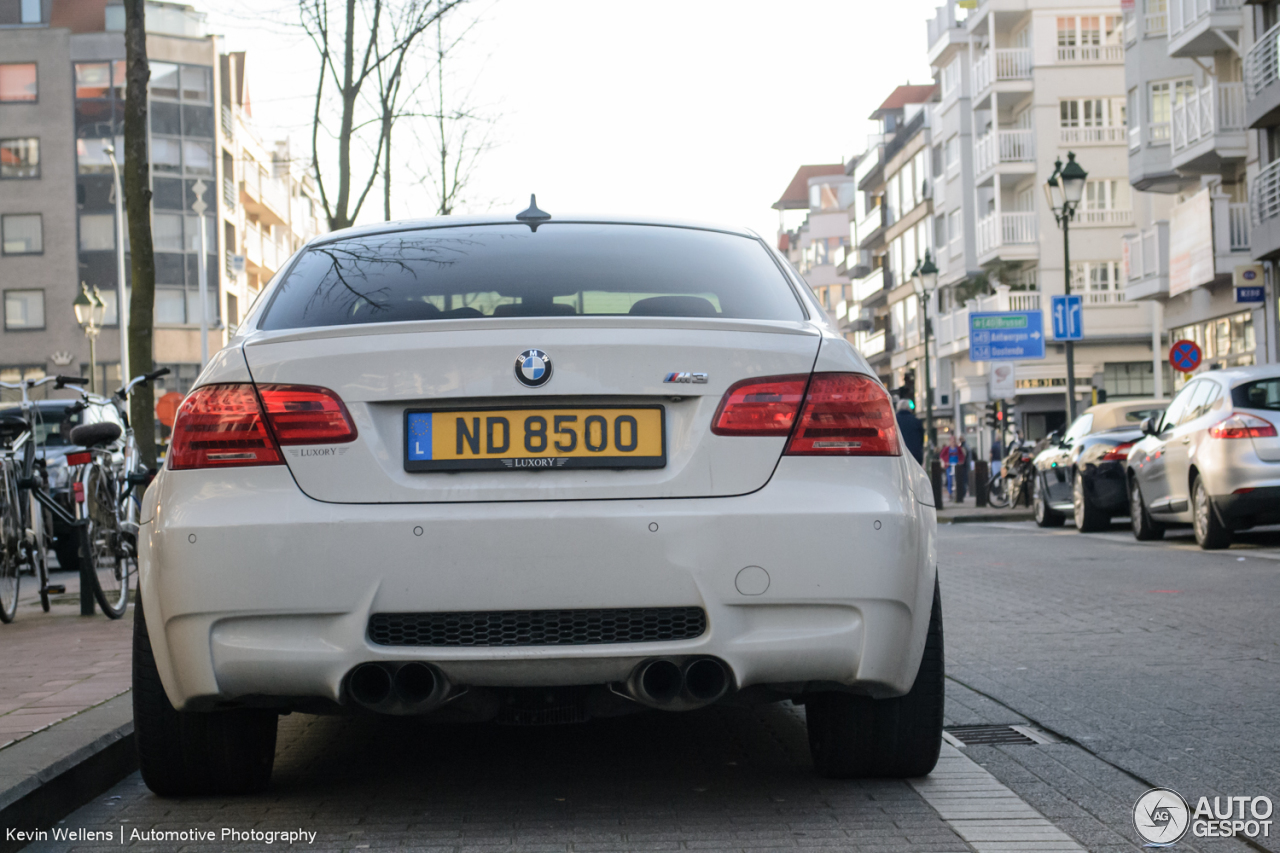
<point x="1155" y="664"/>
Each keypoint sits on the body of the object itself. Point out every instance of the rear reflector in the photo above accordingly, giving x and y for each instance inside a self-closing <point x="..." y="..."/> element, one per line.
<point x="305" y="414"/>
<point x="82" y="458"/>
<point x="1241" y="425"/>
<point x="221" y="426"/>
<point x="764" y="406"/>
<point x="845" y="414"/>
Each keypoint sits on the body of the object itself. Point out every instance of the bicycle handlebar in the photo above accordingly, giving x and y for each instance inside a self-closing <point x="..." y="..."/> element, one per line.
<point x="123" y="391"/>
<point x="64" y="381"/>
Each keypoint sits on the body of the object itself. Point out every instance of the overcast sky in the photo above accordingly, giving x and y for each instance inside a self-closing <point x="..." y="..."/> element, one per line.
<point x="695" y="109"/>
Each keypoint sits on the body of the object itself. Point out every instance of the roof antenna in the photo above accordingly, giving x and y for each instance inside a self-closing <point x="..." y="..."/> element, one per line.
<point x="533" y="217"/>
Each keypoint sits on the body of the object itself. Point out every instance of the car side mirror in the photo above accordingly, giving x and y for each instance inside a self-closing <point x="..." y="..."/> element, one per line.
<point x="1148" y="426"/>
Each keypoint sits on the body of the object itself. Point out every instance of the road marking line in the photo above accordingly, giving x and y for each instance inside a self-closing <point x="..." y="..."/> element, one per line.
<point x="984" y="812"/>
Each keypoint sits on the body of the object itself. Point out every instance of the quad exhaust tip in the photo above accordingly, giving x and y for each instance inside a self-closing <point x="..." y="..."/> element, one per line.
<point x="679" y="685"/>
<point x="397" y="688"/>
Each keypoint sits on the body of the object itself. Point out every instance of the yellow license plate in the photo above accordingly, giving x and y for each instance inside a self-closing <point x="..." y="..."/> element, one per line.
<point x="535" y="439"/>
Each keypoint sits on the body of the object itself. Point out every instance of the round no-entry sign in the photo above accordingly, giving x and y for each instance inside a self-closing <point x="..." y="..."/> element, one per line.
<point x="1184" y="356"/>
<point x="167" y="408"/>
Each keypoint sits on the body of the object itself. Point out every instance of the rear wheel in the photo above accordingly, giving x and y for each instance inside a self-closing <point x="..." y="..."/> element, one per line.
<point x="997" y="496"/>
<point x="10" y="533"/>
<point x="1211" y="533"/>
<point x="1144" y="529"/>
<point x="857" y="736"/>
<point x="183" y="753"/>
<point x="109" y="552"/>
<point x="1045" y="515"/>
<point x="1089" y="519"/>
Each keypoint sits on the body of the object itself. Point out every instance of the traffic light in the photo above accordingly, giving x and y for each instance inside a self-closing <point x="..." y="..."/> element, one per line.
<point x="994" y="416"/>
<point x="908" y="390"/>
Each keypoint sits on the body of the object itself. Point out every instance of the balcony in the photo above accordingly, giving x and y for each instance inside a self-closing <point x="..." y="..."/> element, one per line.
<point x="1208" y="128"/>
<point x="871" y="288"/>
<point x="1000" y="147"/>
<point x="1203" y="27"/>
<point x="1009" y="236"/>
<point x="945" y="31"/>
<point x="264" y="197"/>
<point x="1238" y="226"/>
<point x="1094" y="135"/>
<point x="1091" y="54"/>
<point x="877" y="343"/>
<point x="1155" y="25"/>
<point x="1002" y="65"/>
<point x="870" y="227"/>
<point x="1262" y="80"/>
<point x="1102" y="218"/>
<point x="1024" y="301"/>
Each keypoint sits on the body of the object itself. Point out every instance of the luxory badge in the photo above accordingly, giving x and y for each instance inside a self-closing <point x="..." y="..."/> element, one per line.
<point x="533" y="368"/>
<point x="1161" y="817"/>
<point x="686" y="378"/>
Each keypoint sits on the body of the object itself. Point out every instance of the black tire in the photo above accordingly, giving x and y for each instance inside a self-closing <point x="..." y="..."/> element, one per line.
<point x="106" y="550"/>
<point x="185" y="753"/>
<point x="1045" y="515"/>
<point x="997" y="497"/>
<point x="857" y="736"/>
<point x="1089" y="518"/>
<point x="10" y="579"/>
<point x="1144" y="528"/>
<point x="1211" y="533"/>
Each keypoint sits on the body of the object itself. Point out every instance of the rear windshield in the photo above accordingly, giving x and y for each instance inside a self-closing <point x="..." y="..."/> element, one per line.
<point x="1262" y="394"/>
<point x="510" y="271"/>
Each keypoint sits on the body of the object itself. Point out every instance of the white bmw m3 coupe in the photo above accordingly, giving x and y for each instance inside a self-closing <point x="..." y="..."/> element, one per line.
<point x="535" y="470"/>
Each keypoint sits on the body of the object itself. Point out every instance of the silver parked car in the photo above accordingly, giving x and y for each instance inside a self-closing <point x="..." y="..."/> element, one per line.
<point x="1212" y="460"/>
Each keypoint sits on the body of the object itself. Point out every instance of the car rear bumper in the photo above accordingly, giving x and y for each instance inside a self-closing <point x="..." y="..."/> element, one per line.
<point x="251" y="589"/>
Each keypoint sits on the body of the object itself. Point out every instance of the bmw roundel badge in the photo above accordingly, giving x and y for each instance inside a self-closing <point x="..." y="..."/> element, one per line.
<point x="533" y="368"/>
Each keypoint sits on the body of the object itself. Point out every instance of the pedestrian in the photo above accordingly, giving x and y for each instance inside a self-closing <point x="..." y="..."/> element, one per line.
<point x="912" y="430"/>
<point x="948" y="457"/>
<point x="962" y="468"/>
<point x="997" y="454"/>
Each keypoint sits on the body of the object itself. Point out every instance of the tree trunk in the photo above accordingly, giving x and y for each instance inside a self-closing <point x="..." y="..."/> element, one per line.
<point x="137" y="198"/>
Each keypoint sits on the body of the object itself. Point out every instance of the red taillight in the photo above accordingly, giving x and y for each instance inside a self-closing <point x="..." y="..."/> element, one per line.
<point x="221" y="426"/>
<point x="304" y="414"/>
<point x="845" y="414"/>
<point x="1119" y="453"/>
<point x="765" y="406"/>
<point x="1241" y="425"/>
<point x="82" y="458"/>
<point x="78" y="490"/>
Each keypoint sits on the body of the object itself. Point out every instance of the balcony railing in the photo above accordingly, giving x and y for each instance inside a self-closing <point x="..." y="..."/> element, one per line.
<point x="1158" y="133"/>
<point x="1006" y="229"/>
<point x="1260" y="63"/>
<point x="1001" y="64"/>
<point x="1264" y="194"/>
<point x="1155" y="25"/>
<point x="1145" y="256"/>
<point x="1103" y="297"/>
<point x="1238" y="226"/>
<point x="1206" y="111"/>
<point x="1092" y="135"/>
<point x="874" y="344"/>
<point x="1089" y="53"/>
<point x="1004" y="146"/>
<point x="1024" y="301"/>
<point x="1184" y="14"/>
<point x="868" y="286"/>
<point x="1104" y="217"/>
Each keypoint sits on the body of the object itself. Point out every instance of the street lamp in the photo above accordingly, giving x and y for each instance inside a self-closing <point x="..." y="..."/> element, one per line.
<point x="90" y="310"/>
<point x="122" y="307"/>
<point x="924" y="281"/>
<point x="1063" y="190"/>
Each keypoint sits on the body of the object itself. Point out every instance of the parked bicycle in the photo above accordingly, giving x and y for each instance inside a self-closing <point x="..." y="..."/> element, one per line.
<point x="25" y="504"/>
<point x="1014" y="483"/>
<point x="108" y="478"/>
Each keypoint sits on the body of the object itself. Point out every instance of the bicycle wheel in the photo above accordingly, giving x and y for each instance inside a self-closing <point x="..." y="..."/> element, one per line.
<point x="996" y="494"/>
<point x="103" y="545"/>
<point x="10" y="538"/>
<point x="39" y="550"/>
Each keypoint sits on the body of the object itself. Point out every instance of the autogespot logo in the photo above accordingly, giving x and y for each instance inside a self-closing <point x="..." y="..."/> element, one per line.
<point x="533" y="367"/>
<point x="1161" y="817"/>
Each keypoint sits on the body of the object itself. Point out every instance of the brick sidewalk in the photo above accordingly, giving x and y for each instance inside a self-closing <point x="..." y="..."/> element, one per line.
<point x="60" y="663"/>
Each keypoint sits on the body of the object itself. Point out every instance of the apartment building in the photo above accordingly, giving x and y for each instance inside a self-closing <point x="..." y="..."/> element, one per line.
<point x="1192" y="151"/>
<point x="816" y="246"/>
<point x="1027" y="81"/>
<point x="62" y="94"/>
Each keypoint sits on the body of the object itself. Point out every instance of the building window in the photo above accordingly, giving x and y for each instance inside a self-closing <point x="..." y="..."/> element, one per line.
<point x="23" y="309"/>
<point x="953" y="226"/>
<point x="1086" y="38"/>
<point x="17" y="82"/>
<point x="1164" y="96"/>
<point x="1097" y="281"/>
<point x="950" y="76"/>
<point x="20" y="158"/>
<point x="21" y="234"/>
<point x="1129" y="379"/>
<point x="952" y="155"/>
<point x="93" y="80"/>
<point x="1106" y="195"/>
<point x="91" y="155"/>
<point x="97" y="232"/>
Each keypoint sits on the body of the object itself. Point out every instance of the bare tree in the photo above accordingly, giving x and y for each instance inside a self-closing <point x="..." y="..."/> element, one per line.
<point x="137" y="199"/>
<point x="460" y="130"/>
<point x="369" y="48"/>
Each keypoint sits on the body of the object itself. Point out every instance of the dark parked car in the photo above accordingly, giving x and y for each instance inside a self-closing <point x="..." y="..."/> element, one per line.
<point x="53" y="425"/>
<point x="1083" y="472"/>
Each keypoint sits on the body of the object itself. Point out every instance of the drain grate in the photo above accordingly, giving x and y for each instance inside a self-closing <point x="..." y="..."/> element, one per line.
<point x="989" y="735"/>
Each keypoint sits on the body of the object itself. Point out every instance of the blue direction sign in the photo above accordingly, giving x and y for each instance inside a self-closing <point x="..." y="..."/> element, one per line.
<point x="1006" y="335"/>
<point x="1068" y="318"/>
<point x="1252" y="293"/>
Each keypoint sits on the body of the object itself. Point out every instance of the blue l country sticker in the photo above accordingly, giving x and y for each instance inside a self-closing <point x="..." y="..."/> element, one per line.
<point x="420" y="435"/>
